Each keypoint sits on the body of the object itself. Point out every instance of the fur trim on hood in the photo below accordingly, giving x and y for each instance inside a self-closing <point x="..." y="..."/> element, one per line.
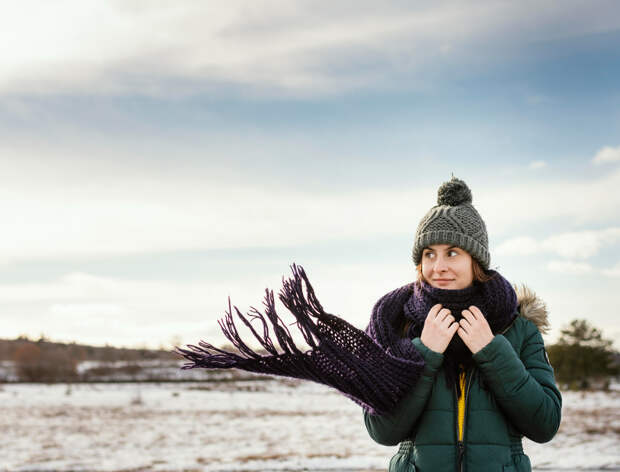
<point x="532" y="308"/>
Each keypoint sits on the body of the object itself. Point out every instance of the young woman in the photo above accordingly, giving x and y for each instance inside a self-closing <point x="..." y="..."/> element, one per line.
<point x="487" y="380"/>
<point x="451" y="366"/>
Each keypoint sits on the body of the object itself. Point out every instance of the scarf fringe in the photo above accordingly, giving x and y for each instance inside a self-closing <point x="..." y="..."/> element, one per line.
<point x="204" y="355"/>
<point x="340" y="355"/>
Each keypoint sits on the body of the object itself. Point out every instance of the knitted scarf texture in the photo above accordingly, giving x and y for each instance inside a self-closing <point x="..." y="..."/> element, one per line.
<point x="376" y="367"/>
<point x="496" y="299"/>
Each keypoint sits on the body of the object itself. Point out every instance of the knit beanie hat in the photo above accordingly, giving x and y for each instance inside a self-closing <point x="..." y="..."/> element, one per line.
<point x="453" y="221"/>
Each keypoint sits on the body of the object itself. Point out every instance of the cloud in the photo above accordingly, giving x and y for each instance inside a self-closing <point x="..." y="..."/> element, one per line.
<point x="570" y="267"/>
<point x="521" y="246"/>
<point x="581" y="244"/>
<point x="91" y="308"/>
<point x="537" y="165"/>
<point x="147" y="218"/>
<point x="555" y="202"/>
<point x="62" y="206"/>
<point x="606" y="155"/>
<point x="613" y="271"/>
<point x="581" y="268"/>
<point x="573" y="245"/>
<point x="155" y="48"/>
<point x="124" y="311"/>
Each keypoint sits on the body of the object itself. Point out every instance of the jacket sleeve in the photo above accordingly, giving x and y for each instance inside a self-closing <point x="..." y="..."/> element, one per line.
<point x="392" y="428"/>
<point x="523" y="385"/>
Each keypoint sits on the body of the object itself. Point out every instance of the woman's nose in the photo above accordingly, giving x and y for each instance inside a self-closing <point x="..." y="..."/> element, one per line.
<point x="440" y="265"/>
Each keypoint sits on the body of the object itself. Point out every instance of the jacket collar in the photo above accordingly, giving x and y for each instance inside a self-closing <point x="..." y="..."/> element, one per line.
<point x="532" y="308"/>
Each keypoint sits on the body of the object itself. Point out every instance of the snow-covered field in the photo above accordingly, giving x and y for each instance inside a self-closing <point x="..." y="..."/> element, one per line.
<point x="263" y="425"/>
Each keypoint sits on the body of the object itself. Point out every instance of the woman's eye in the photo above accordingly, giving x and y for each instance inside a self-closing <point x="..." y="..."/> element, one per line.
<point x="428" y="254"/>
<point x="453" y="252"/>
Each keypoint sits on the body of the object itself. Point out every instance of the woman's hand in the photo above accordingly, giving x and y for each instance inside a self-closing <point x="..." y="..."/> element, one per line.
<point x="439" y="327"/>
<point x="474" y="329"/>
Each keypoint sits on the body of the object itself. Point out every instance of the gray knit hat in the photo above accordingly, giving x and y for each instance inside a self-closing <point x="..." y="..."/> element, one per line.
<point x="455" y="221"/>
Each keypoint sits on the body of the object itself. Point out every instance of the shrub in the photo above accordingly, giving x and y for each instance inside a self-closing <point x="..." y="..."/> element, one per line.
<point x="582" y="357"/>
<point x="34" y="364"/>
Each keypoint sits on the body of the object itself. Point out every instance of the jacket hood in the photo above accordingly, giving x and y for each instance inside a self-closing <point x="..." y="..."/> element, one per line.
<point x="532" y="308"/>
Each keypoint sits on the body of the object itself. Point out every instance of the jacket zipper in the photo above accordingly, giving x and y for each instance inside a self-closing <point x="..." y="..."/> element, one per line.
<point x="461" y="442"/>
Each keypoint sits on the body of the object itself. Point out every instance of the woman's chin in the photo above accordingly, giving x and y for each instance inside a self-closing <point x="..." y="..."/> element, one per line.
<point x="448" y="285"/>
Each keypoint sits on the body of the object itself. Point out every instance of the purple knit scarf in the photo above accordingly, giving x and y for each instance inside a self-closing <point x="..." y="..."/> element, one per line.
<point x="496" y="299"/>
<point x="375" y="368"/>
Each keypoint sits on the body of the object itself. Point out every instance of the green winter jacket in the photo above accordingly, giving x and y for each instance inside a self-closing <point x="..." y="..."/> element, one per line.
<point x="522" y="400"/>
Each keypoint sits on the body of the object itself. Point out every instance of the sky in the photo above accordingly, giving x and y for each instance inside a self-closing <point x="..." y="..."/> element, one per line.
<point x="159" y="157"/>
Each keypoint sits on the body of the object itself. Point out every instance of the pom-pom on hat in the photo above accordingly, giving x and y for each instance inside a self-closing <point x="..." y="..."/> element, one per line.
<point x="455" y="221"/>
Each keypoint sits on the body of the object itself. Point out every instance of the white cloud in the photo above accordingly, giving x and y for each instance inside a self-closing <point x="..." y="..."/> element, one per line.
<point x="613" y="271"/>
<point x="114" y="310"/>
<point x="91" y="308"/>
<point x="574" y="245"/>
<point x="90" y="46"/>
<point x="606" y="155"/>
<point x="59" y="208"/>
<point x="94" y="223"/>
<point x="521" y="245"/>
<point x="581" y="268"/>
<point x="582" y="244"/>
<point x="570" y="267"/>
<point x="109" y="295"/>
<point x="537" y="165"/>
<point x="120" y="311"/>
<point x="511" y="207"/>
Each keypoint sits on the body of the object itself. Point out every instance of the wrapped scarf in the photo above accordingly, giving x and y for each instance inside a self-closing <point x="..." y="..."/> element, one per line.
<point x="375" y="368"/>
<point x="496" y="298"/>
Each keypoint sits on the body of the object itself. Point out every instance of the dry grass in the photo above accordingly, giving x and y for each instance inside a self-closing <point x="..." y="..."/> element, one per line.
<point x="339" y="455"/>
<point x="261" y="457"/>
<point x="598" y="420"/>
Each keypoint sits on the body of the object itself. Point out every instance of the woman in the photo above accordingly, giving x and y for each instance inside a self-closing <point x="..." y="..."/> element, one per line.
<point x="451" y="366"/>
<point x="487" y="380"/>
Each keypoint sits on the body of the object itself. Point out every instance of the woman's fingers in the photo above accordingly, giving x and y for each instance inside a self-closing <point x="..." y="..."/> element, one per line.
<point x="476" y="311"/>
<point x="476" y="318"/>
<point x="465" y="325"/>
<point x="453" y="329"/>
<point x="448" y="320"/>
<point x="468" y="315"/>
<point x="439" y="328"/>
<point x="434" y="311"/>
<point x="443" y="314"/>
<point x="474" y="329"/>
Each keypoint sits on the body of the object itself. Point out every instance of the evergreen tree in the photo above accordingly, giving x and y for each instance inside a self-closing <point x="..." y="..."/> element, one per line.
<point x="582" y="355"/>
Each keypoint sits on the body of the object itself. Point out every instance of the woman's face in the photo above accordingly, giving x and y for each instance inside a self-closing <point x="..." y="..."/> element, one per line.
<point x="448" y="267"/>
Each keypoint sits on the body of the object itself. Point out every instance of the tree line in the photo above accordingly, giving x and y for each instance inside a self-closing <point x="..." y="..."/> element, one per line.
<point x="581" y="358"/>
<point x="42" y="360"/>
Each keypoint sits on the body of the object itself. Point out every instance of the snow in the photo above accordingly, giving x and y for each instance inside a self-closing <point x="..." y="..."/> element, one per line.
<point x="260" y="425"/>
